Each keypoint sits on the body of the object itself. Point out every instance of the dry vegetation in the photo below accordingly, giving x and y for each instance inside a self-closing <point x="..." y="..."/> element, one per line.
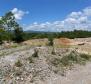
<point x="34" y="61"/>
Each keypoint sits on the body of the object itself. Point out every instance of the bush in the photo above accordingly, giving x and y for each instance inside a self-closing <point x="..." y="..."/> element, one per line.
<point x="50" y="41"/>
<point x="1" y="40"/>
<point x="70" y="59"/>
<point x="53" y="51"/>
<point x="30" y="59"/>
<point x="18" y="33"/>
<point x="55" y="61"/>
<point x="86" y="57"/>
<point x="35" y="54"/>
<point x="18" y="63"/>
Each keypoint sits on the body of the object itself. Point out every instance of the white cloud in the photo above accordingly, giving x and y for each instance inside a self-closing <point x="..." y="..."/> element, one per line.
<point x="71" y="20"/>
<point x="83" y="19"/>
<point x="75" y="14"/>
<point x="0" y="18"/>
<point x="87" y="11"/>
<point x="19" y="13"/>
<point x="75" y="20"/>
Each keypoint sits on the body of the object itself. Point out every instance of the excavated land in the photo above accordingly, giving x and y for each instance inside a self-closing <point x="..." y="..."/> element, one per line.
<point x="39" y="64"/>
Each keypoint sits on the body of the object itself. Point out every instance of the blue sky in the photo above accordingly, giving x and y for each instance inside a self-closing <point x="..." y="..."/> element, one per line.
<point x="34" y="13"/>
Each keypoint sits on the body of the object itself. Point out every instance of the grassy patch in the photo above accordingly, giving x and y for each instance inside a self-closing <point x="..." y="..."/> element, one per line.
<point x="71" y="59"/>
<point x="15" y="46"/>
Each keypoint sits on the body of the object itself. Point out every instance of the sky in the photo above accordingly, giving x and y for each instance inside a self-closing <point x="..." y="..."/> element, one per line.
<point x="50" y="15"/>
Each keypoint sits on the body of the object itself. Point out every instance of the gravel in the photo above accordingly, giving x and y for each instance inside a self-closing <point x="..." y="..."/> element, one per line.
<point x="40" y="71"/>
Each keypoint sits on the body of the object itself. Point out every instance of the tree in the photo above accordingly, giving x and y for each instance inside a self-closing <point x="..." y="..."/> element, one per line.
<point x="50" y="38"/>
<point x="11" y="27"/>
<point x="18" y="32"/>
<point x="1" y="32"/>
<point x="8" y="21"/>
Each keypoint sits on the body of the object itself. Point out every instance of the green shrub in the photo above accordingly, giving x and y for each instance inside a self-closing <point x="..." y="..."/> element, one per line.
<point x="35" y="54"/>
<point x="30" y="59"/>
<point x="18" y="33"/>
<point x="53" y="51"/>
<point x="86" y="57"/>
<point x="50" y="39"/>
<point x="18" y="63"/>
<point x="73" y="58"/>
<point x="70" y="59"/>
<point x="55" y="61"/>
<point x="1" y="41"/>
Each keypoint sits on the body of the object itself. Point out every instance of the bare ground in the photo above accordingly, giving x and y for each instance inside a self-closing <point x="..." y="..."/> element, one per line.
<point x="39" y="72"/>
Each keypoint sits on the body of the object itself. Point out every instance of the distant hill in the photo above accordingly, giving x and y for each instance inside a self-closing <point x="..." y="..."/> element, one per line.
<point x="31" y="31"/>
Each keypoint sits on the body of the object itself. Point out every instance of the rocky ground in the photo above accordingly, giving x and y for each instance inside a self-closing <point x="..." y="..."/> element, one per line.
<point x="21" y="65"/>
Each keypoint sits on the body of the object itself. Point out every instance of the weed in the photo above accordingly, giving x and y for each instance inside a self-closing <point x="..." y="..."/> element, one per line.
<point x="18" y="63"/>
<point x="35" y="54"/>
<point x="71" y="59"/>
<point x="53" y="51"/>
<point x="30" y="59"/>
<point x="86" y="57"/>
<point x="55" y="61"/>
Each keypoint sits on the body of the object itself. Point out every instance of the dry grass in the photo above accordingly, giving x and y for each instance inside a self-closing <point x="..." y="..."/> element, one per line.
<point x="36" y="42"/>
<point x="71" y="59"/>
